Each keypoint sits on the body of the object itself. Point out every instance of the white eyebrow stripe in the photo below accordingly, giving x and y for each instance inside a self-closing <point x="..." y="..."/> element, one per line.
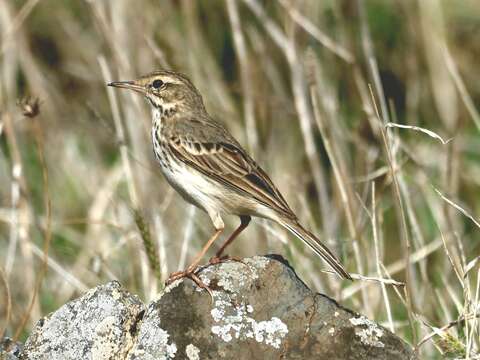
<point x="170" y="80"/>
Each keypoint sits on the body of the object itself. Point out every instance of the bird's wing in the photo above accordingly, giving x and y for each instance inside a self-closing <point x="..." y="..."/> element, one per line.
<point x="222" y="159"/>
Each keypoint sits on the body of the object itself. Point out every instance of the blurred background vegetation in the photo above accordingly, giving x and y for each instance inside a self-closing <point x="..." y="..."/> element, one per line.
<point x="299" y="83"/>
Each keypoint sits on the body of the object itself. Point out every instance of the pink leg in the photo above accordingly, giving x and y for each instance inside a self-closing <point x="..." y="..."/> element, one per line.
<point x="190" y="271"/>
<point x="244" y="221"/>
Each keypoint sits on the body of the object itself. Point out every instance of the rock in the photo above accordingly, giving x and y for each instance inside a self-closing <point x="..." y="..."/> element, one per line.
<point x="260" y="310"/>
<point x="9" y="349"/>
<point x="99" y="325"/>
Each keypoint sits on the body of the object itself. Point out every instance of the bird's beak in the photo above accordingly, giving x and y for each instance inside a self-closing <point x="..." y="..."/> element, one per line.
<point x="132" y="85"/>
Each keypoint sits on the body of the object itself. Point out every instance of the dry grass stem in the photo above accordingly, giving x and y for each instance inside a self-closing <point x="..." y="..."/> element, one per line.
<point x="187" y="238"/>
<point x="47" y="233"/>
<point x="107" y="76"/>
<point x="319" y="35"/>
<point x="378" y="261"/>
<point x="77" y="284"/>
<point x="245" y="74"/>
<point x="379" y="280"/>
<point x="399" y="201"/>
<point x="423" y="130"/>
<point x="465" y="96"/>
<point x="458" y="207"/>
<point x="17" y="22"/>
<point x="7" y="302"/>
<point x="148" y="243"/>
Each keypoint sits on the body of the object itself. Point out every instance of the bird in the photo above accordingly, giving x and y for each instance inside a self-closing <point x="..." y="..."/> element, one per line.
<point x="209" y="168"/>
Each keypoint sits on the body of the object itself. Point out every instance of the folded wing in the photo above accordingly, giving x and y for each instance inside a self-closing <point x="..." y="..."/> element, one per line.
<point x="229" y="164"/>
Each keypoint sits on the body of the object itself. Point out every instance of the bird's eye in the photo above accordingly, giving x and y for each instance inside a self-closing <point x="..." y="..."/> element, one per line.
<point x="157" y="84"/>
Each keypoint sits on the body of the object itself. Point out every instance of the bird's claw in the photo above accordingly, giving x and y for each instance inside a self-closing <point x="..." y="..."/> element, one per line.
<point x="221" y="259"/>
<point x="190" y="273"/>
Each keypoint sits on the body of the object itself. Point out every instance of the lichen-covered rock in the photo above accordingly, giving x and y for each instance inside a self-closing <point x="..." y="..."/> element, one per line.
<point x="9" y="349"/>
<point x="99" y="325"/>
<point x="259" y="310"/>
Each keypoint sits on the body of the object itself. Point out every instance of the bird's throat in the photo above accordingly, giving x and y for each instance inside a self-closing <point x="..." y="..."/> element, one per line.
<point x="158" y="119"/>
<point x="162" y="113"/>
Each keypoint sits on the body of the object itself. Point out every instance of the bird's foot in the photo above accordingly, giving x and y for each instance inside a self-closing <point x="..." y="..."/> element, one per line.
<point x="221" y="259"/>
<point x="190" y="273"/>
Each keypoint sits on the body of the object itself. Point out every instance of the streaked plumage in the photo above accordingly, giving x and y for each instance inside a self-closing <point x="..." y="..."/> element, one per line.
<point x="208" y="167"/>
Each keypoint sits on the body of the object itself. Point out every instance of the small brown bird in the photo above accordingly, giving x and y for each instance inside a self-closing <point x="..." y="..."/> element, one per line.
<point x="210" y="169"/>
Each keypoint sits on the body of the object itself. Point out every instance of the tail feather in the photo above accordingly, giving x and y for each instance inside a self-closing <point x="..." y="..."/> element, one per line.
<point x="316" y="245"/>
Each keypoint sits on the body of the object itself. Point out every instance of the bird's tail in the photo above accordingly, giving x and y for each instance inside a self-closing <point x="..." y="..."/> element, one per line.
<point x="316" y="245"/>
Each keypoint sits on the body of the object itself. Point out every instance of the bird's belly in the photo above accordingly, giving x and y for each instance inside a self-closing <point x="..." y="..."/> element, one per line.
<point x="195" y="188"/>
<point x="205" y="193"/>
<point x="188" y="185"/>
<point x="176" y="174"/>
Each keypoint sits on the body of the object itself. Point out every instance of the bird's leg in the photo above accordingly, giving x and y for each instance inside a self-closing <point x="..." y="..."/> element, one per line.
<point x="218" y="258"/>
<point x="189" y="272"/>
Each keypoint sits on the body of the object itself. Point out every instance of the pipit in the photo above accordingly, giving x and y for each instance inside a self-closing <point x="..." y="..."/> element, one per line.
<point x="210" y="169"/>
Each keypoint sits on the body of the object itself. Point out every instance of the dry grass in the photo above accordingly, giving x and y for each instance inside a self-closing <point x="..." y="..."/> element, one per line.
<point x="323" y="93"/>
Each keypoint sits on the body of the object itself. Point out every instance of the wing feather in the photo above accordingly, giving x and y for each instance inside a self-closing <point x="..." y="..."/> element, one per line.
<point x="229" y="164"/>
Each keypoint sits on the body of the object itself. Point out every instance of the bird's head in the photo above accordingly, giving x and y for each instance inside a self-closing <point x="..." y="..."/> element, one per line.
<point x="167" y="91"/>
